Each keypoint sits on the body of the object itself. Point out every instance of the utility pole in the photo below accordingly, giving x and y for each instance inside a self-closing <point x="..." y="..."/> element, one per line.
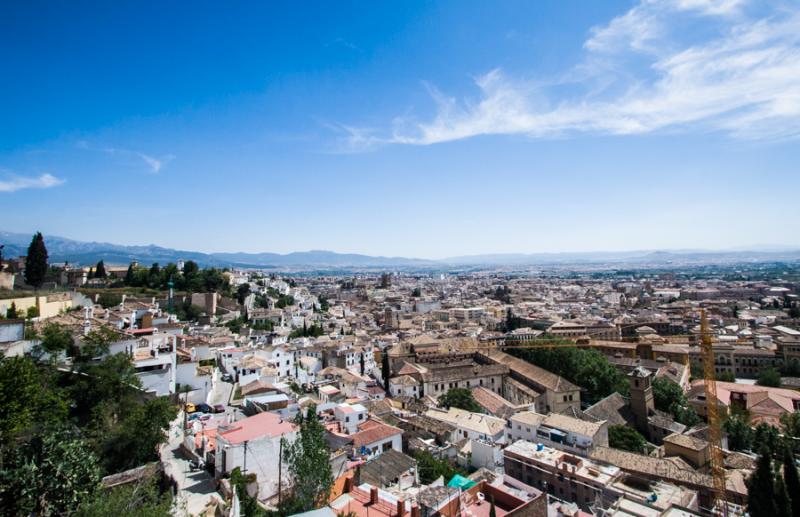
<point x="280" y="471"/>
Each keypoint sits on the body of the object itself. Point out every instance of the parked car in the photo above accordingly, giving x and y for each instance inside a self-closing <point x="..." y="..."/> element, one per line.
<point x="219" y="408"/>
<point x="205" y="417"/>
<point x="190" y="408"/>
<point x="227" y="377"/>
<point x="204" y="408"/>
<point x="194" y="416"/>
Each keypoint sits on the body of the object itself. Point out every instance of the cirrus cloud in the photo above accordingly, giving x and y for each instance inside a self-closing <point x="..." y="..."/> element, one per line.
<point x="13" y="182"/>
<point x="738" y="73"/>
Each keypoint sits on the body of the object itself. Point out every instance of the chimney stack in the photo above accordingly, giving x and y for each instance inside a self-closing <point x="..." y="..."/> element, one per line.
<point x="415" y="510"/>
<point x="373" y="495"/>
<point x="401" y="507"/>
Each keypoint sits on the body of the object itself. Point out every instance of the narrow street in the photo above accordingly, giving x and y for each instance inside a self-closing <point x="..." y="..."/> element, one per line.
<point x="195" y="488"/>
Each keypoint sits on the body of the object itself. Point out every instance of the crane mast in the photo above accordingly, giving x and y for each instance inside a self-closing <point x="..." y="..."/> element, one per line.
<point x="719" y="501"/>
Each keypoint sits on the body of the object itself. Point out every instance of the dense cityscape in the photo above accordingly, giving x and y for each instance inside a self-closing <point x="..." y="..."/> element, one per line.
<point x="546" y="390"/>
<point x="426" y="258"/>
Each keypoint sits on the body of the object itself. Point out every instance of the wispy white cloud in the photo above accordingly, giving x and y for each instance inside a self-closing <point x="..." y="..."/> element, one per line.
<point x="153" y="163"/>
<point x="13" y="182"/>
<point x="739" y="75"/>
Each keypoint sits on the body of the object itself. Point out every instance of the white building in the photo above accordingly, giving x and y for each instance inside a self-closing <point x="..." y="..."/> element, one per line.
<point x="559" y="431"/>
<point x="253" y="445"/>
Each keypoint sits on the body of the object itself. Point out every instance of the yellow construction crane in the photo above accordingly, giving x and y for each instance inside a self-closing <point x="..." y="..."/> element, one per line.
<point x="719" y="502"/>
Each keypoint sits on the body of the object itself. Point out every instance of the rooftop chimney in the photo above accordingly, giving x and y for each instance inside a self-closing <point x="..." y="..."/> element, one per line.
<point x="373" y="495"/>
<point x="415" y="510"/>
<point x="401" y="507"/>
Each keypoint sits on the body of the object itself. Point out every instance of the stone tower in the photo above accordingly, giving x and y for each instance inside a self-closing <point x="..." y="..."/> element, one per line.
<point x="642" y="403"/>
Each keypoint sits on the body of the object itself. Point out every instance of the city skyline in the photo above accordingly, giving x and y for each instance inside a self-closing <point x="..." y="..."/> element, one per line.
<point x="424" y="130"/>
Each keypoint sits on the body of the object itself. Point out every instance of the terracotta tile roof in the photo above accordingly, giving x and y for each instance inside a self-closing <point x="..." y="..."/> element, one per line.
<point x="372" y="431"/>
<point x="257" y="426"/>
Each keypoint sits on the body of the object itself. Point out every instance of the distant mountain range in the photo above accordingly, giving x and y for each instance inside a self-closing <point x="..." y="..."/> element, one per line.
<point x="76" y="252"/>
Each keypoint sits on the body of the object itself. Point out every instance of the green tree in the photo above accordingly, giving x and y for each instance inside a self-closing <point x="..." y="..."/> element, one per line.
<point x="669" y="397"/>
<point x="460" y="398"/>
<point x="142" y="499"/>
<point x="385" y="370"/>
<point x="100" y="270"/>
<point x="767" y="437"/>
<point x="431" y="468"/>
<point x="36" y="262"/>
<point x="791" y="368"/>
<point x="626" y="438"/>
<point x="137" y="435"/>
<point x="587" y="368"/>
<point x="761" y="488"/>
<point x="129" y="275"/>
<point x="308" y="462"/>
<point x="248" y="506"/>
<point x="11" y="312"/>
<point x="95" y="344"/>
<point x="740" y="434"/>
<point x="726" y="376"/>
<point x="782" y="501"/>
<point x="769" y="377"/>
<point x="56" y="338"/>
<point x="241" y="293"/>
<point x="49" y="476"/>
<point x="108" y="300"/>
<point x="790" y="423"/>
<point x="791" y="479"/>
<point x="29" y="400"/>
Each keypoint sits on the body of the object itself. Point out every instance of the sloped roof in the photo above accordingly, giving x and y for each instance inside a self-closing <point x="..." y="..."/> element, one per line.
<point x="384" y="469"/>
<point x="530" y="371"/>
<point x="615" y="408"/>
<point x="372" y="431"/>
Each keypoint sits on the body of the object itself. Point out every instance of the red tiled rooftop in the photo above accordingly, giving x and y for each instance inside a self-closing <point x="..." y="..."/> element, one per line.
<point x="257" y="426"/>
<point x="372" y="431"/>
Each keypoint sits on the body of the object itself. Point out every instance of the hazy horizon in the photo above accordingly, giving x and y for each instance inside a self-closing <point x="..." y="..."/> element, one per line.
<point x="766" y="248"/>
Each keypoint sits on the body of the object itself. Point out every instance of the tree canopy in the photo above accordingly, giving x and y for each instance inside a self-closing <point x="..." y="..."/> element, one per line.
<point x="769" y="377"/>
<point x="69" y="428"/>
<point x="460" y="398"/>
<point x="431" y="468"/>
<point x="308" y="462"/>
<point x="626" y="438"/>
<point x="36" y="262"/>
<point x="588" y="368"/>
<point x="669" y="397"/>
<point x="191" y="278"/>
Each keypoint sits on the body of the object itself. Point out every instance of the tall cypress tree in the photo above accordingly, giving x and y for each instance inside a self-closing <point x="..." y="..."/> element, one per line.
<point x="100" y="270"/>
<point x="782" y="501"/>
<point x="385" y="368"/>
<point x="36" y="262"/>
<point x="308" y="462"/>
<point x="791" y="479"/>
<point x="761" y="488"/>
<point x="129" y="275"/>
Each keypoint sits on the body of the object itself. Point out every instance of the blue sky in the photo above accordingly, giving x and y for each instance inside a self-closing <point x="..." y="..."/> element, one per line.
<point x="426" y="129"/>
